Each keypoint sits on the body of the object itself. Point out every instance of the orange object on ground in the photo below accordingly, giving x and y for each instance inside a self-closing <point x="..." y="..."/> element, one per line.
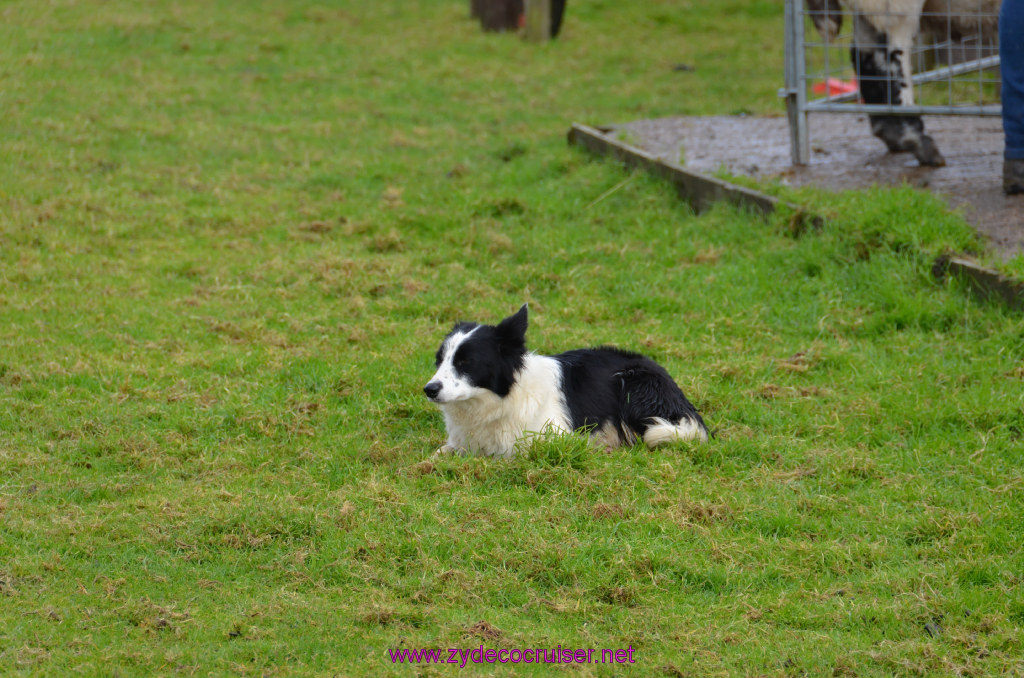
<point x="834" y="86"/>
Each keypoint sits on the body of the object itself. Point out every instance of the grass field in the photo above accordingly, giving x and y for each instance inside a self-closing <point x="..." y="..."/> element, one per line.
<point x="232" y="235"/>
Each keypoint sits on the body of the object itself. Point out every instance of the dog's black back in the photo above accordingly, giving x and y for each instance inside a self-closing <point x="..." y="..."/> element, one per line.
<point x="608" y="384"/>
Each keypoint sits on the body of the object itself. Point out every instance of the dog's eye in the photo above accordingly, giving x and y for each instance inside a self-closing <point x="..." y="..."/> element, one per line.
<point x="462" y="363"/>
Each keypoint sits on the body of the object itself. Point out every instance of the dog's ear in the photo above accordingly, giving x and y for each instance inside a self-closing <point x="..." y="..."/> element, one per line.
<point x="512" y="330"/>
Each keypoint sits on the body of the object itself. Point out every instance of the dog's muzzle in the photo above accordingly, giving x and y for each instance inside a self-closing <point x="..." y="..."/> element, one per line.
<point x="433" y="389"/>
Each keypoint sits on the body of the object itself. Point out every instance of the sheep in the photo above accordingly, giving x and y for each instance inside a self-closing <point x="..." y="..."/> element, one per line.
<point x="883" y="34"/>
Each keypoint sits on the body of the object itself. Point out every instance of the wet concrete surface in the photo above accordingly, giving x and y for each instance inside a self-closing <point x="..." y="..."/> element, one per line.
<point x="844" y="155"/>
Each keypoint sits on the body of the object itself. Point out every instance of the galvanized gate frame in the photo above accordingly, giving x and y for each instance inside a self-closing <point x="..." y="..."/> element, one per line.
<point x="796" y="80"/>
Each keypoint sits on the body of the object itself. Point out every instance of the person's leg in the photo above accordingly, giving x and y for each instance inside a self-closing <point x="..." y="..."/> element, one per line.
<point x="1011" y="59"/>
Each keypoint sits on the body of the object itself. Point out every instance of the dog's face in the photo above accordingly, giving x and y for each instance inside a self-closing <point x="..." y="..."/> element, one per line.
<point x="475" y="359"/>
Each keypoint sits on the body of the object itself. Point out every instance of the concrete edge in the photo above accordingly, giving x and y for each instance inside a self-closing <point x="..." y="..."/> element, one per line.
<point x="699" y="190"/>
<point x="984" y="282"/>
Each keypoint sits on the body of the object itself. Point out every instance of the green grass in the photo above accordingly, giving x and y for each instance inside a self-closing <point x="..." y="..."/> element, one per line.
<point x="231" y="237"/>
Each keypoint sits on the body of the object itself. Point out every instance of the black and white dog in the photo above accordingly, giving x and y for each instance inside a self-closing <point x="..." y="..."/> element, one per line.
<point x="493" y="393"/>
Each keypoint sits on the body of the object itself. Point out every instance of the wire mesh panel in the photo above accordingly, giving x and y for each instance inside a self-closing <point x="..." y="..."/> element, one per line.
<point x="891" y="58"/>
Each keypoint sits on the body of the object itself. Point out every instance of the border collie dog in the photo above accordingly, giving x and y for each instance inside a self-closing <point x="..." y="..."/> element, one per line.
<point x="494" y="393"/>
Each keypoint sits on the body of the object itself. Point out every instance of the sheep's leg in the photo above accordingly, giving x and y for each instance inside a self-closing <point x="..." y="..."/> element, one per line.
<point x="827" y="16"/>
<point x="882" y="61"/>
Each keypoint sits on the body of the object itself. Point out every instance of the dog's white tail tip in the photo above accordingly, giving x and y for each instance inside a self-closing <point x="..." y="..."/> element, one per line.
<point x="664" y="431"/>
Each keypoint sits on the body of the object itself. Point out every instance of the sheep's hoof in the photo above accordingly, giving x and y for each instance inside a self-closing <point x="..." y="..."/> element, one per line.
<point x="906" y="134"/>
<point x="927" y="153"/>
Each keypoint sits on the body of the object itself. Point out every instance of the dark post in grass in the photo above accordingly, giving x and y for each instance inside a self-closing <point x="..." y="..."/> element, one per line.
<point x="497" y="15"/>
<point x="540" y="19"/>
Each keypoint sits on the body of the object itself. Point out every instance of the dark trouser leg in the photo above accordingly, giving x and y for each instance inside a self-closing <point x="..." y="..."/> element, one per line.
<point x="1011" y="59"/>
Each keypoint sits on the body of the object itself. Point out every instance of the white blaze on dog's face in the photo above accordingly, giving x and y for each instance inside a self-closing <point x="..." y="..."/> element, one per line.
<point x="452" y="381"/>
<point x="479" y="360"/>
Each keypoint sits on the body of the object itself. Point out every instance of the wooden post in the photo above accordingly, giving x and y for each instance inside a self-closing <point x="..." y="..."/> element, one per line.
<point x="538" y="20"/>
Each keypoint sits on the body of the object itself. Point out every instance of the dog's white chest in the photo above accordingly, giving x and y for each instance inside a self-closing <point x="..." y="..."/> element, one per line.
<point x="492" y="425"/>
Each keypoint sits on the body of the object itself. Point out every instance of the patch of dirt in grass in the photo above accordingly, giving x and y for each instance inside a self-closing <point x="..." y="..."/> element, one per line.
<point x="386" y="616"/>
<point x="377" y="616"/>
<point x="798" y="362"/>
<point x="485" y="630"/>
<point x="789" y="475"/>
<point x="613" y="511"/>
<point x="345" y="517"/>
<point x="423" y="468"/>
<point x="774" y="391"/>
<point x="700" y="513"/>
<point x="618" y="595"/>
<point x="768" y="392"/>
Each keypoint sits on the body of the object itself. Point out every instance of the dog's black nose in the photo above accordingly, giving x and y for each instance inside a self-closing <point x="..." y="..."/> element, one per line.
<point x="432" y="389"/>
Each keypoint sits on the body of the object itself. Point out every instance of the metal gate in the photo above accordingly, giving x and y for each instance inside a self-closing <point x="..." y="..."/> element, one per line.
<point x="952" y="76"/>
